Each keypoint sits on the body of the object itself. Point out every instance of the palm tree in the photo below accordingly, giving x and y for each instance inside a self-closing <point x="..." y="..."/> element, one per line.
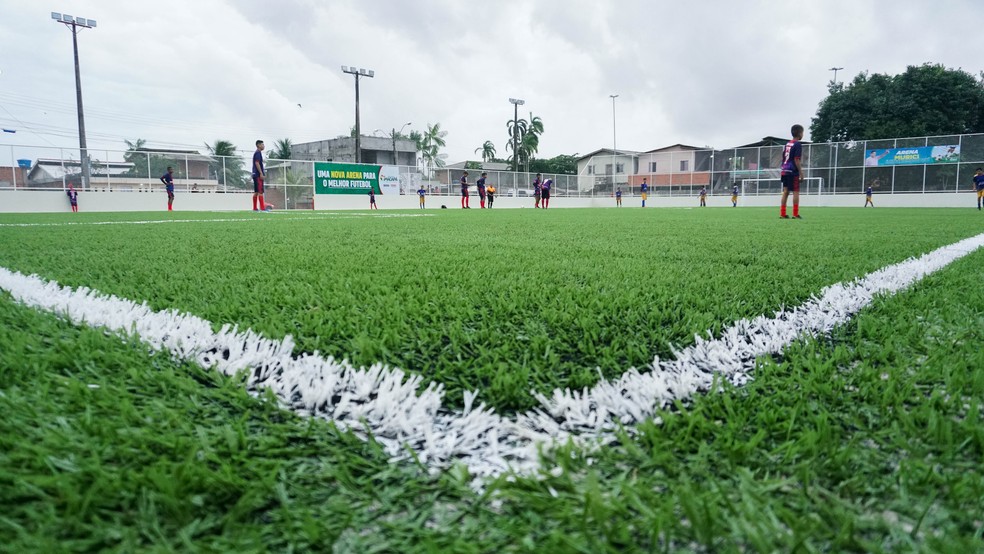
<point x="487" y="150"/>
<point x="226" y="164"/>
<point x="281" y="149"/>
<point x="433" y="141"/>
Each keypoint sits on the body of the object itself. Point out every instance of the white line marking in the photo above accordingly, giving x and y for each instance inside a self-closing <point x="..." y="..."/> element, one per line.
<point x="400" y="413"/>
<point x="224" y="220"/>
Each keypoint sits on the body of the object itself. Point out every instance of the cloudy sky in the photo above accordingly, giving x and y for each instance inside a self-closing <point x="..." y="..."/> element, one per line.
<point x="181" y="73"/>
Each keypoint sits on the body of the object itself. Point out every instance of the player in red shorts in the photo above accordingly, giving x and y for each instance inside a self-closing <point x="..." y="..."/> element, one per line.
<point x="258" y="176"/>
<point x="791" y="169"/>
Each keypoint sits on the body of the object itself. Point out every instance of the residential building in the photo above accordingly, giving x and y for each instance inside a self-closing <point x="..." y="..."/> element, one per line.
<point x="11" y="176"/>
<point x="605" y="169"/>
<point x="375" y="150"/>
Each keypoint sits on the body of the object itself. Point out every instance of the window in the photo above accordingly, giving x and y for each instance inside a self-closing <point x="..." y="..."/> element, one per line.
<point x="652" y="167"/>
<point x="608" y="169"/>
<point x="684" y="165"/>
<point x="619" y="168"/>
<point x="590" y="170"/>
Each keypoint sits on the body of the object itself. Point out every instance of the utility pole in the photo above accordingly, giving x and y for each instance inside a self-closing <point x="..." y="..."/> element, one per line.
<point x="74" y="23"/>
<point x="358" y="129"/>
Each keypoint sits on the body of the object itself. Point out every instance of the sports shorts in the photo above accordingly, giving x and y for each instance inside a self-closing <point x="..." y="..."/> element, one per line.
<point x="790" y="182"/>
<point x="257" y="185"/>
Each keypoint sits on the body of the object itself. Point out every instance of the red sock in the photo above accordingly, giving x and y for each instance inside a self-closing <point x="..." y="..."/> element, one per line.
<point x="254" y="202"/>
<point x="482" y="202"/>
<point x="796" y="210"/>
<point x="782" y="211"/>
<point x="262" y="204"/>
<point x="462" y="201"/>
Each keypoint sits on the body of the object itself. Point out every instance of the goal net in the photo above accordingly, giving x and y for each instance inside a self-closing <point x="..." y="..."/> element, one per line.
<point x="757" y="187"/>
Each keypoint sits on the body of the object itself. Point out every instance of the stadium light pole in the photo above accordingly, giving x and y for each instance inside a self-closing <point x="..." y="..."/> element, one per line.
<point x="360" y="72"/>
<point x="516" y="104"/>
<point x="74" y="23"/>
<point x="614" y="142"/>
<point x="395" y="160"/>
<point x="835" y="70"/>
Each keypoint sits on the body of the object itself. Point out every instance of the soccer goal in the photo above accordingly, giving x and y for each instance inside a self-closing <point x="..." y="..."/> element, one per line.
<point x="758" y="187"/>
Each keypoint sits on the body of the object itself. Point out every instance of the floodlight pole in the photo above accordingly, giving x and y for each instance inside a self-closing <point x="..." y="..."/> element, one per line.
<point x="835" y="70"/>
<point x="614" y="143"/>
<point x="516" y="104"/>
<point x="358" y="129"/>
<point x="73" y="24"/>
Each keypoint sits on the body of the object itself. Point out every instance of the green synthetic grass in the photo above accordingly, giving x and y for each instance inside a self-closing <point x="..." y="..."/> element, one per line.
<point x="501" y="301"/>
<point x="869" y="440"/>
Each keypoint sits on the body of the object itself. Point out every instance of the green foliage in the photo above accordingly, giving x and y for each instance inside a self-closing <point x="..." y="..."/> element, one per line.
<point x="227" y="165"/>
<point x="430" y="145"/>
<point x="926" y="100"/>
<point x="867" y="440"/>
<point x="560" y="165"/>
<point x="148" y="165"/>
<point x="528" y="137"/>
<point x="281" y="149"/>
<point x="473" y="165"/>
<point x="487" y="151"/>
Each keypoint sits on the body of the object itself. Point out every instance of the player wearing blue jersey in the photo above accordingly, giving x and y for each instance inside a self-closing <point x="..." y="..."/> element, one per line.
<point x="73" y="197"/>
<point x="734" y="196"/>
<point x="464" y="191"/>
<point x="618" y="197"/>
<point x="867" y="196"/>
<point x="372" y="200"/>
<point x="421" y="192"/>
<point x="168" y="180"/>
<point x="703" y="197"/>
<point x="537" y="189"/>
<point x="644" y="191"/>
<point x="791" y="170"/>
<point x="259" y="174"/>
<point x="545" y="193"/>
<point x="480" y="188"/>
<point x="979" y="185"/>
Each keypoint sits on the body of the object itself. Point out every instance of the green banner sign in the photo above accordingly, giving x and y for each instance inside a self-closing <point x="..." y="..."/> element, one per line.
<point x="332" y="178"/>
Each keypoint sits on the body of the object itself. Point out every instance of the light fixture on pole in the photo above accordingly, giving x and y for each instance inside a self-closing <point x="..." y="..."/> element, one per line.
<point x="74" y="23"/>
<point x="395" y="132"/>
<point x="834" y="88"/>
<point x="516" y="104"/>
<point x="360" y="72"/>
<point x="614" y="142"/>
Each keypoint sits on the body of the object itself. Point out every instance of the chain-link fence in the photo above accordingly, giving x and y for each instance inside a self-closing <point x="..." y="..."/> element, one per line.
<point x="906" y="165"/>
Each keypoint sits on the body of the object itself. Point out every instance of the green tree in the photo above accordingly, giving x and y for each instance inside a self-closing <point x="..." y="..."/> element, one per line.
<point x="487" y="150"/>
<point x="926" y="100"/>
<point x="433" y="141"/>
<point x="147" y="164"/>
<point x="473" y="165"/>
<point x="227" y="164"/>
<point x="560" y="165"/>
<point x="281" y="149"/>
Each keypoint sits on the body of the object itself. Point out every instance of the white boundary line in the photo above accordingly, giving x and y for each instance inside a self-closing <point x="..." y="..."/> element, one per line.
<point x="223" y="220"/>
<point x="402" y="415"/>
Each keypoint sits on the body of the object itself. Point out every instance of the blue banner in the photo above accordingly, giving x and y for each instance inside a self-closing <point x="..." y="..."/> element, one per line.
<point x="913" y="156"/>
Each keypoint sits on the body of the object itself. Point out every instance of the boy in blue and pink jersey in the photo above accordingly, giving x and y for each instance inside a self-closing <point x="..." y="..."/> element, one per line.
<point x="73" y="197"/>
<point x="644" y="191"/>
<point x="618" y="197"/>
<point x="791" y="170"/>
<point x="537" y="189"/>
<point x="703" y="197"/>
<point x="258" y="176"/>
<point x="372" y="200"/>
<point x="545" y="193"/>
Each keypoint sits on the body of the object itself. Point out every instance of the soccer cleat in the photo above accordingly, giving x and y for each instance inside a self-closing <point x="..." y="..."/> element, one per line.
<point x="784" y="217"/>
<point x="797" y="217"/>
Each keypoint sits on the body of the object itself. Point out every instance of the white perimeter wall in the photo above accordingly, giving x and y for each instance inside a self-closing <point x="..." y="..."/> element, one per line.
<point x="21" y="201"/>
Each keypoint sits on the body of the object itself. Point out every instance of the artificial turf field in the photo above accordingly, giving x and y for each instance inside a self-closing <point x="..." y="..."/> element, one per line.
<point x="868" y="439"/>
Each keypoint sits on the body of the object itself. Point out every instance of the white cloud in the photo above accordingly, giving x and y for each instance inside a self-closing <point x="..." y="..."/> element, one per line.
<point x="716" y="72"/>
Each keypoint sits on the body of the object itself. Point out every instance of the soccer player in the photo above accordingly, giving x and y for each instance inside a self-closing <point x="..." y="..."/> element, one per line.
<point x="790" y="170"/>
<point x="421" y="192"/>
<point x="734" y="196"/>
<point x="618" y="197"/>
<point x="979" y="185"/>
<point x="644" y="190"/>
<point x="372" y="199"/>
<point x="168" y="180"/>
<point x="537" y="190"/>
<point x="491" y="192"/>
<point x="464" y="191"/>
<point x="480" y="187"/>
<point x="258" y="176"/>
<point x="703" y="197"/>
<point x="73" y="197"/>
<point x="867" y="197"/>
<point x="545" y="193"/>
